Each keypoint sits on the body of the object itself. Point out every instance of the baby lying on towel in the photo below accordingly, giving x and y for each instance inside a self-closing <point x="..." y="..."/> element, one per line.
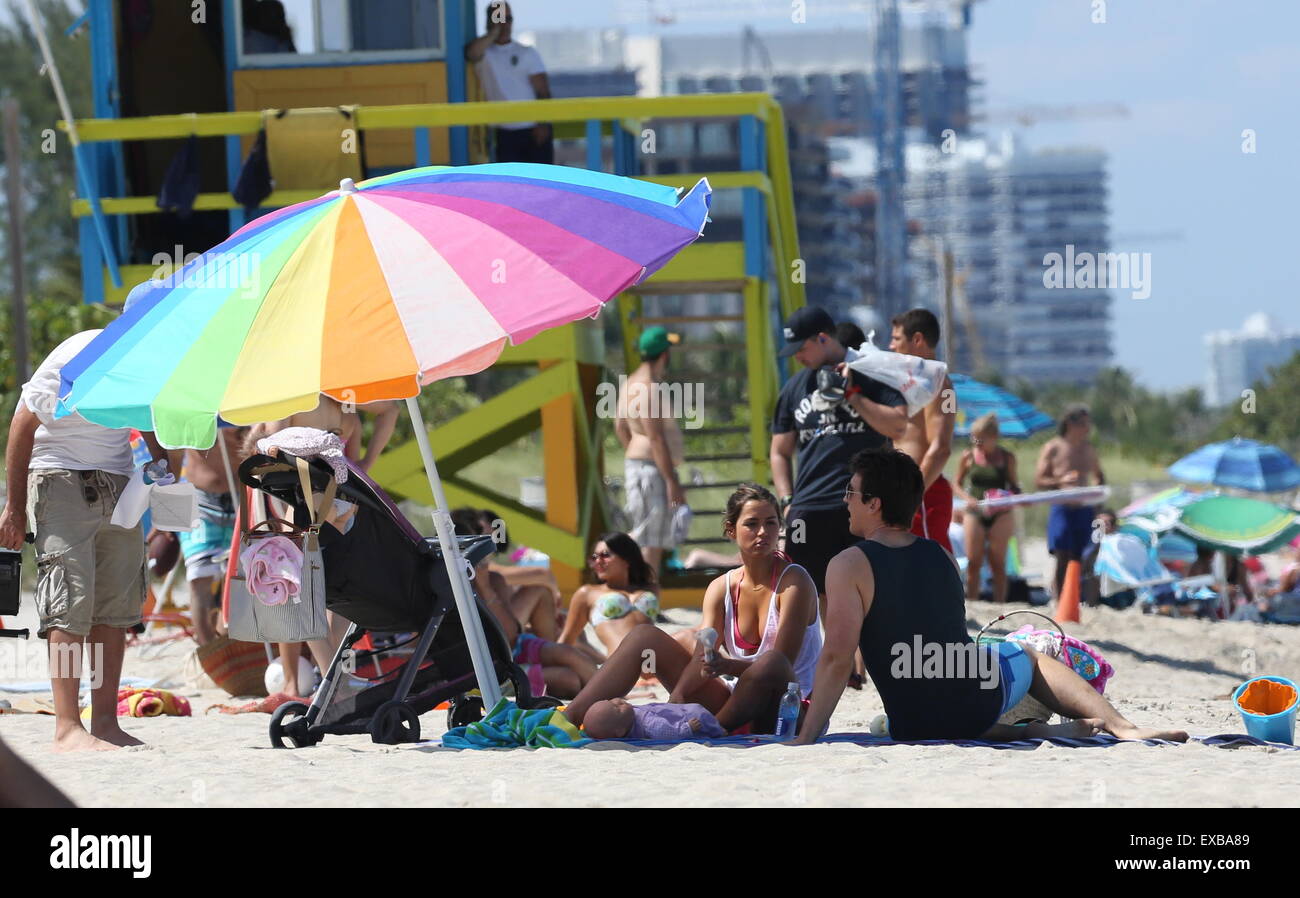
<point x="617" y="718"/>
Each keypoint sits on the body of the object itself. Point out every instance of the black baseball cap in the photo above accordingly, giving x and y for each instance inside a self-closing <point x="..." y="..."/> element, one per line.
<point x="804" y="324"/>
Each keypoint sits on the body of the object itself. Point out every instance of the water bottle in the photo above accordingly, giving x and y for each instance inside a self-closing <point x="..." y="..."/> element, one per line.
<point x="156" y="472"/>
<point x="787" y="717"/>
<point x="708" y="637"/>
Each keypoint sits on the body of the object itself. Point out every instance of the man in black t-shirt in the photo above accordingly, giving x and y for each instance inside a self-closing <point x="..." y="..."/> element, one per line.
<point x="826" y="424"/>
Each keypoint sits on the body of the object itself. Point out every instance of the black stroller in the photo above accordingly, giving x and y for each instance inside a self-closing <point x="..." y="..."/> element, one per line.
<point x="391" y="583"/>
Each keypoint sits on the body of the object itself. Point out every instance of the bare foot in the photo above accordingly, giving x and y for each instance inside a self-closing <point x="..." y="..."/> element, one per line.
<point x="115" y="735"/>
<point x="74" y="738"/>
<point x="1076" y="729"/>
<point x="1132" y="732"/>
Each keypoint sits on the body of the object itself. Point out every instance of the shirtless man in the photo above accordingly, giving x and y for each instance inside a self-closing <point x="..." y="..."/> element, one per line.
<point x="1069" y="460"/>
<point x="928" y="437"/>
<point x="891" y="591"/>
<point x="652" y="448"/>
<point x="205" y="544"/>
<point x="329" y="416"/>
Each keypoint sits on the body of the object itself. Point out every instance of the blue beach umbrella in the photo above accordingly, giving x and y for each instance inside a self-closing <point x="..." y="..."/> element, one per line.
<point x="1241" y="464"/>
<point x="1016" y="418"/>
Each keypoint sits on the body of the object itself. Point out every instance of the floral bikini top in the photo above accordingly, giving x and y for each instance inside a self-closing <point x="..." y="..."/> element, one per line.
<point x="614" y="605"/>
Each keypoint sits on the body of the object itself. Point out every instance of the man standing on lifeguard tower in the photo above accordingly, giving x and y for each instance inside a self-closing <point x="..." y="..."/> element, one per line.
<point x="512" y="71"/>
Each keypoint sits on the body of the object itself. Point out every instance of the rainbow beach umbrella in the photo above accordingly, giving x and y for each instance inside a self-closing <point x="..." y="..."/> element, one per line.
<point x="371" y="291"/>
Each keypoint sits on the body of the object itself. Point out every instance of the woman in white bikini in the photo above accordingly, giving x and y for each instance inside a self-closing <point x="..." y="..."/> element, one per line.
<point x="765" y="614"/>
<point x="625" y="597"/>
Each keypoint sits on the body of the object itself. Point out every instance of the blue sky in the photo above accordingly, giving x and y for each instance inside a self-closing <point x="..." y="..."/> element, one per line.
<point x="1194" y="74"/>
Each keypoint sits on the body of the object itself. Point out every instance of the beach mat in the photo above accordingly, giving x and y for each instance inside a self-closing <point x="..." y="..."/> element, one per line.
<point x="35" y="686"/>
<point x="866" y="740"/>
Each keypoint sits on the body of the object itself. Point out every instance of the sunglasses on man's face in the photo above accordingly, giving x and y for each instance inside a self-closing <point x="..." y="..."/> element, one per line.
<point x="850" y="491"/>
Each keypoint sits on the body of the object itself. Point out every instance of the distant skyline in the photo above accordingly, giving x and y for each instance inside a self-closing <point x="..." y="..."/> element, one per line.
<point x="1194" y="75"/>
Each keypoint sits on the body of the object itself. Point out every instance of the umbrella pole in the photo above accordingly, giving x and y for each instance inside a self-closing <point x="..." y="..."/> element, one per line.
<point x="484" y="669"/>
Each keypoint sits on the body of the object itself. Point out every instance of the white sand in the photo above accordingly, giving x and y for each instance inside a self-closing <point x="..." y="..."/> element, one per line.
<point x="1170" y="672"/>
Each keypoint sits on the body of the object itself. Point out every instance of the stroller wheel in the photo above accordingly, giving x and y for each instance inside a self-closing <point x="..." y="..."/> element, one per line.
<point x="464" y="710"/>
<point x="395" y="723"/>
<point x="289" y="723"/>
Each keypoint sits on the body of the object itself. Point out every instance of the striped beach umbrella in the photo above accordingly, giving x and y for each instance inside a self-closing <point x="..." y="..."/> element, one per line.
<point x="1238" y="525"/>
<point x="371" y="291"/>
<point x="1241" y="464"/>
<point x="1017" y="419"/>
<point x="1159" y="512"/>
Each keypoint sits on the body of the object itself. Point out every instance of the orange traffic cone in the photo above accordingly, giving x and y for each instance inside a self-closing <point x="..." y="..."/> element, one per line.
<point x="1067" y="609"/>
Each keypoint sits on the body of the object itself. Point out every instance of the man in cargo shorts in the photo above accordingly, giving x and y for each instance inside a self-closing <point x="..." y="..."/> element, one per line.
<point x="64" y="477"/>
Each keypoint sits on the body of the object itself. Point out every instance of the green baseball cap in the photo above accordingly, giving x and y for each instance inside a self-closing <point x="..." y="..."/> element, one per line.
<point x="654" y="340"/>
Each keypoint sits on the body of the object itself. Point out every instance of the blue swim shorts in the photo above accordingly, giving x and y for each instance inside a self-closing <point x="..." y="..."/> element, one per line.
<point x="1015" y="674"/>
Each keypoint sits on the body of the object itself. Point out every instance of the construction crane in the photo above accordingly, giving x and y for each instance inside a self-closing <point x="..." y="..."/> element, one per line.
<point x="889" y="125"/>
<point x="888" y="109"/>
<point x="672" y="12"/>
<point x="1033" y="114"/>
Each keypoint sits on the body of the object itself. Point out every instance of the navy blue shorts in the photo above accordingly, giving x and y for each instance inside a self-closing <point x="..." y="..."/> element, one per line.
<point x="1069" y="528"/>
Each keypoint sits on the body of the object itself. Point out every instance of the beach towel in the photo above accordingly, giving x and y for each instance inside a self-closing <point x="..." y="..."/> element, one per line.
<point x="273" y="570"/>
<point x="866" y="740"/>
<point x="148" y="703"/>
<point x="261" y="706"/>
<point x="31" y="686"/>
<point x="507" y="726"/>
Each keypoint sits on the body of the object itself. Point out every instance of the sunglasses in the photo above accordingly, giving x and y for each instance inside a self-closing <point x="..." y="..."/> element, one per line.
<point x="595" y="555"/>
<point x="88" y="491"/>
<point x="850" y="491"/>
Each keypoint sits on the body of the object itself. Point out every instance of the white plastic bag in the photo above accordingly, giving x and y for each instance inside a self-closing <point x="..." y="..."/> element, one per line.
<point x="918" y="379"/>
<point x="173" y="507"/>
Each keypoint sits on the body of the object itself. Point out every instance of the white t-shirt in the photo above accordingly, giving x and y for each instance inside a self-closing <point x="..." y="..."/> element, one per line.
<point x="71" y="443"/>
<point x="505" y="70"/>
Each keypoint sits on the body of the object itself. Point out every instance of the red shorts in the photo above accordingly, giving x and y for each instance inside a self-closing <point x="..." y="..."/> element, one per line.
<point x="935" y="514"/>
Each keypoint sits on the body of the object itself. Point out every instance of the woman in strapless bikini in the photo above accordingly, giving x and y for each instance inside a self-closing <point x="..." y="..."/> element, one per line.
<point x="625" y="597"/>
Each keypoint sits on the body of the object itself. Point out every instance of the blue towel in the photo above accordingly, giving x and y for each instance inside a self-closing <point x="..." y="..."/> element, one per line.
<point x="1227" y="740"/>
<point x="509" y="727"/>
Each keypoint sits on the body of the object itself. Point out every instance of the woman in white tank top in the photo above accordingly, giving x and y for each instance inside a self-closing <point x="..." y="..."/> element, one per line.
<point x="768" y="604"/>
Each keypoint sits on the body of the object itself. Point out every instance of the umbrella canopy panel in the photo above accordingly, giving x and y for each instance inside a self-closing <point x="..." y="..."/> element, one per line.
<point x="1241" y="464"/>
<point x="371" y="291"/>
<point x="1016" y="418"/>
<point x="1238" y="525"/>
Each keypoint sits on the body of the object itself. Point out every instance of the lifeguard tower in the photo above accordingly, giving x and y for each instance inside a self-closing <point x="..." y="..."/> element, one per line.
<point x="184" y="90"/>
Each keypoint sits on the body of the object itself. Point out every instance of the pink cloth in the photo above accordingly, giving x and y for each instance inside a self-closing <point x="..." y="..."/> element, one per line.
<point x="309" y="443"/>
<point x="273" y="570"/>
